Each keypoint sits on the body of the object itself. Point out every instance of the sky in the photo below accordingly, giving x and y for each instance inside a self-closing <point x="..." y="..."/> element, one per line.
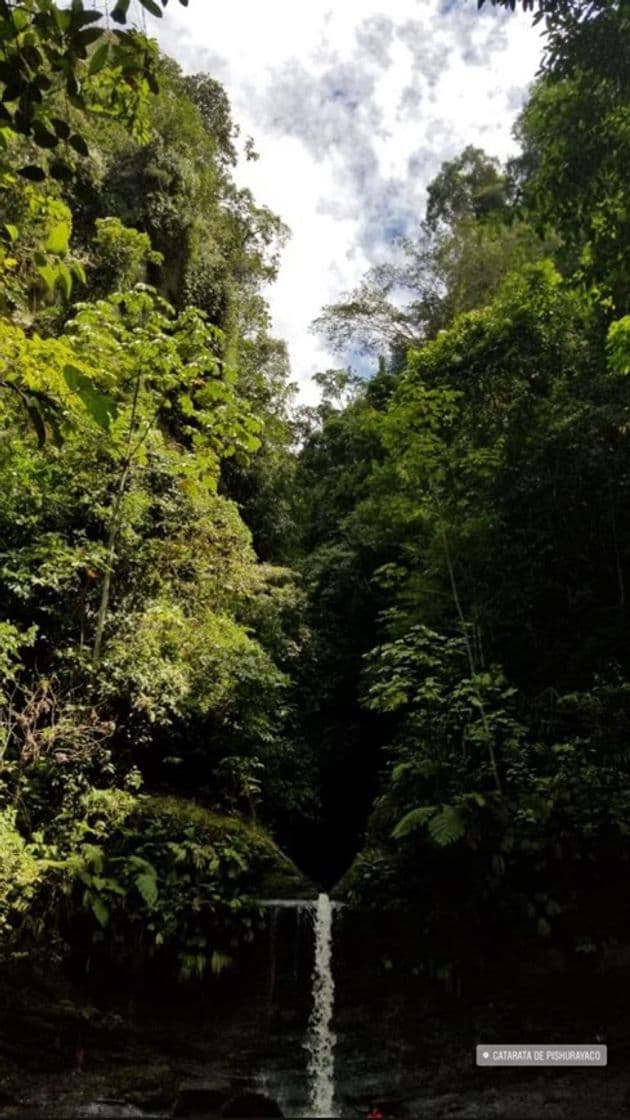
<point x="352" y="110"/>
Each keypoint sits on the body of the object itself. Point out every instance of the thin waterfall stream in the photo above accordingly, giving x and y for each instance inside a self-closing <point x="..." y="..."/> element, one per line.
<point x="321" y="1039"/>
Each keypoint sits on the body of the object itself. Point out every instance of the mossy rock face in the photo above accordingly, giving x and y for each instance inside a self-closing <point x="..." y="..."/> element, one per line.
<point x="271" y="874"/>
<point x="372" y="880"/>
<point x="377" y="876"/>
<point x="283" y="882"/>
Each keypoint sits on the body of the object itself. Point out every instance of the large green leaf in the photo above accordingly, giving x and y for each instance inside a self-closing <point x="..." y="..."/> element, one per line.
<point x="414" y="819"/>
<point x="79" y="144"/>
<point x="99" y="405"/>
<point x="99" y="909"/>
<point x="64" y="278"/>
<point x="33" y="172"/>
<point x="219" y="962"/>
<point x="146" y="882"/>
<point x="447" y="826"/>
<point x="152" y="7"/>
<point x="48" y="274"/>
<point x="99" y="59"/>
<point x="119" y="14"/>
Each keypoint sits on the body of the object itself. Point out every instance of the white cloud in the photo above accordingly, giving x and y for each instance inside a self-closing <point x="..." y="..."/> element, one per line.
<point x="352" y="110"/>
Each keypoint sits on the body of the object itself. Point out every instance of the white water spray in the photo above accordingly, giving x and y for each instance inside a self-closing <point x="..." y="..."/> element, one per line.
<point x="321" y="1040"/>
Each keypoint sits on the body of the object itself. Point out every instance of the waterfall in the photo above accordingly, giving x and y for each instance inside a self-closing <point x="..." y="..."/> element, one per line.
<point x="321" y="1040"/>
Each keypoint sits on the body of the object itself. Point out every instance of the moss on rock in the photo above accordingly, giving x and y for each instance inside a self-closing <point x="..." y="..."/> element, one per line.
<point x="372" y="880"/>
<point x="271" y="873"/>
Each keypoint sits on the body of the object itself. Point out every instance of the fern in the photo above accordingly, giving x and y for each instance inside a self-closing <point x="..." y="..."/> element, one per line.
<point x="447" y="826"/>
<point x="414" y="819"/>
<point x="445" y="823"/>
<point x="146" y="883"/>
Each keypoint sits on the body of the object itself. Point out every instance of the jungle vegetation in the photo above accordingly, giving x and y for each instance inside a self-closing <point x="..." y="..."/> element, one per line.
<point x="393" y="628"/>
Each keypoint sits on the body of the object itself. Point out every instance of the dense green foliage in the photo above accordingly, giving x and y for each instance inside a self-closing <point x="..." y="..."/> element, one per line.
<point x="135" y="880"/>
<point x="149" y="631"/>
<point x="397" y="622"/>
<point x="466" y="520"/>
